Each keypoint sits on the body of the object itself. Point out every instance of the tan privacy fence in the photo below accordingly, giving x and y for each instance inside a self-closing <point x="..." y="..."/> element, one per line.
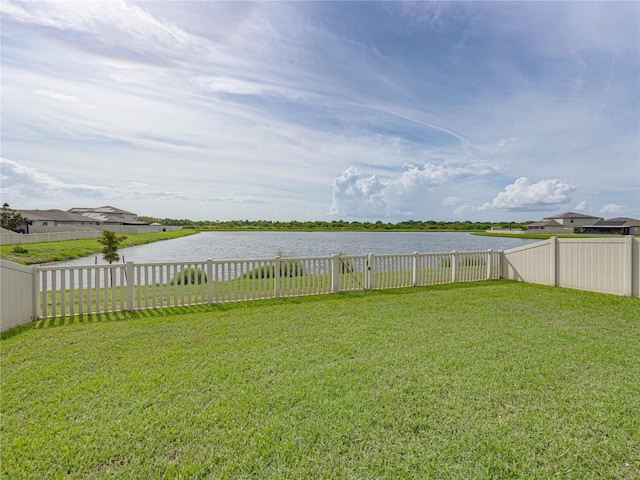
<point x="605" y="265"/>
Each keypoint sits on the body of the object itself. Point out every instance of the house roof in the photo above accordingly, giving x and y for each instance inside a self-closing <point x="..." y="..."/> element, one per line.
<point x="544" y="223"/>
<point x="53" y="215"/>
<point x="107" y="209"/>
<point x="96" y="216"/>
<point x="106" y="214"/>
<point x="620" y="222"/>
<point x="570" y="215"/>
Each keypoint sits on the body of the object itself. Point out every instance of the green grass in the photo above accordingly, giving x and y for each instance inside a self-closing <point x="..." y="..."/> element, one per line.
<point x="71" y="249"/>
<point x="483" y="380"/>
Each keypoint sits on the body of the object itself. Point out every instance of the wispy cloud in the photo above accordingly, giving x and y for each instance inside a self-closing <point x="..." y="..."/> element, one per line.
<point x="22" y="181"/>
<point x="610" y="208"/>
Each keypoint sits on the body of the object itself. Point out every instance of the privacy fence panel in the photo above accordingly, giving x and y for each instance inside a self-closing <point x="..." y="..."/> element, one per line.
<point x="597" y="265"/>
<point x="530" y="263"/>
<point x="605" y="265"/>
<point x="18" y="294"/>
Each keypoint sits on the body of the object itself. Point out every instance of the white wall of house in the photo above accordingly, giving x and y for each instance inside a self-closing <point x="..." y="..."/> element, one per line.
<point x="576" y="222"/>
<point x="550" y="230"/>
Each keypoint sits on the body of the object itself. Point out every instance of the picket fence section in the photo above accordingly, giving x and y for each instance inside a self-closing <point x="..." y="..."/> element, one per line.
<point x="78" y="290"/>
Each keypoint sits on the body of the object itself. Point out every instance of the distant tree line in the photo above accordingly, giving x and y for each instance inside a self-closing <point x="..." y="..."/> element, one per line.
<point x="335" y="225"/>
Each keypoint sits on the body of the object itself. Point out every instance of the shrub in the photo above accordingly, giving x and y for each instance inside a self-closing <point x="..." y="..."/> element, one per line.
<point x="18" y="250"/>
<point x="465" y="261"/>
<point x="189" y="276"/>
<point x="287" y="269"/>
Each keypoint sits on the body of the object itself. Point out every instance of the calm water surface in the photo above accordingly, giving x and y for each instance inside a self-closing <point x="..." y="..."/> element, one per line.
<point x="258" y="245"/>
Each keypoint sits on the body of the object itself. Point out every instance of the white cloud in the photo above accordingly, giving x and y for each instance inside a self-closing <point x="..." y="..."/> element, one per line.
<point x="22" y="182"/>
<point x="451" y="201"/>
<point x="524" y="195"/>
<point x="582" y="205"/>
<point x="111" y="24"/>
<point x="57" y="96"/>
<point x="240" y="86"/>
<point x="612" y="208"/>
<point x="358" y="195"/>
<point x="462" y="209"/>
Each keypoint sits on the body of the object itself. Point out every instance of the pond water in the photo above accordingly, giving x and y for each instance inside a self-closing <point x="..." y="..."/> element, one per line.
<point x="260" y="245"/>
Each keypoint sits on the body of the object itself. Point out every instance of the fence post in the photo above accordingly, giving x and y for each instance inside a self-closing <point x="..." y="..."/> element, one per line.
<point x="553" y="263"/>
<point x="210" y="280"/>
<point x="276" y="277"/>
<point x="335" y="273"/>
<point x="454" y="266"/>
<point x="489" y="264"/>
<point x="36" y="294"/>
<point x="415" y="269"/>
<point x="628" y="266"/>
<point x="130" y="285"/>
<point x="369" y="282"/>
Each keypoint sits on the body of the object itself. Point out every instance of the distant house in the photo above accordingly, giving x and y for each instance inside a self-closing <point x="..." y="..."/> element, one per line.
<point x="109" y="215"/>
<point x="53" y="218"/>
<point x="569" y="222"/>
<point x="614" y="226"/>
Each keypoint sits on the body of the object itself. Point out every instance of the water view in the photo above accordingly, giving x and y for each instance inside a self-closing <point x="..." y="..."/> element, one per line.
<point x="258" y="245"/>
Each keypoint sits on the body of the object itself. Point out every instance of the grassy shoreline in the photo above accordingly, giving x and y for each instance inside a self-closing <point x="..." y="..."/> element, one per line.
<point x="37" y="253"/>
<point x="486" y="380"/>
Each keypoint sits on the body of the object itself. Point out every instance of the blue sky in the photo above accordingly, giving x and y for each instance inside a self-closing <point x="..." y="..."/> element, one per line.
<point x="386" y="111"/>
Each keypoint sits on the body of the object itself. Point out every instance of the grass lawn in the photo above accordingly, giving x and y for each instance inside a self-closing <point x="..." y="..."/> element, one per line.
<point x="71" y="249"/>
<point x="483" y="380"/>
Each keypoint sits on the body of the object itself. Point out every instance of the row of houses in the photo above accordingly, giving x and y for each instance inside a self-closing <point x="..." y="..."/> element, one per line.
<point x="571" y="222"/>
<point x="38" y="221"/>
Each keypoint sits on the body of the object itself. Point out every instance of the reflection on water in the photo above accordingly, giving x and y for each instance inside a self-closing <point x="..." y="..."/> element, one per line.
<point x="258" y="245"/>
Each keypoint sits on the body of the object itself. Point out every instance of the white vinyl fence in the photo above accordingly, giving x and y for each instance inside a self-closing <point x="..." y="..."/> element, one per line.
<point x="18" y="295"/>
<point x="26" y="238"/>
<point x="58" y="234"/>
<point x="606" y="265"/>
<point x="68" y="291"/>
